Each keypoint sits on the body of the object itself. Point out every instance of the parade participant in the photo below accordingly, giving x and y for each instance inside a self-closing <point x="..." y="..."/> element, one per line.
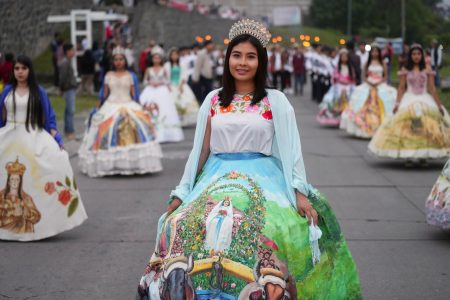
<point x="121" y="136"/>
<point x="68" y="87"/>
<point x="182" y="95"/>
<point x="335" y="100"/>
<point x="420" y="127"/>
<point x="437" y="205"/>
<point x="325" y="71"/>
<point x="436" y="61"/>
<point x="237" y="225"/>
<point x="157" y="92"/>
<point x="203" y="75"/>
<point x="372" y="101"/>
<point x="363" y="58"/>
<point x="298" y="61"/>
<point x="355" y="60"/>
<point x="143" y="58"/>
<point x="39" y="197"/>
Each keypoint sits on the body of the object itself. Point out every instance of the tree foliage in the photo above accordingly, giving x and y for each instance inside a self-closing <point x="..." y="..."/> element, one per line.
<point x="372" y="18"/>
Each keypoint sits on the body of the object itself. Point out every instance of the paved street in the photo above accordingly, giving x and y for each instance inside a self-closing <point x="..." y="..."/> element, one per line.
<point x="380" y="205"/>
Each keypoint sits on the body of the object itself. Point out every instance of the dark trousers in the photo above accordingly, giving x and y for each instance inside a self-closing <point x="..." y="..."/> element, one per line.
<point x="282" y="77"/>
<point x="55" y="72"/>
<point x="205" y="85"/>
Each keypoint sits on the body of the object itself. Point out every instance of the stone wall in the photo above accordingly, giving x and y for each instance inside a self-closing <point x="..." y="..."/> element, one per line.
<point x="23" y="23"/>
<point x="172" y="27"/>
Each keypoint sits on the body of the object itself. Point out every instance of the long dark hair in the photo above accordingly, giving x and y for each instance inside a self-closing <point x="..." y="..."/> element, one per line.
<point x="351" y="69"/>
<point x="8" y="188"/>
<point x="35" y="113"/>
<point x="379" y="58"/>
<point x="228" y="82"/>
<point x="177" y="62"/>
<point x="410" y="64"/>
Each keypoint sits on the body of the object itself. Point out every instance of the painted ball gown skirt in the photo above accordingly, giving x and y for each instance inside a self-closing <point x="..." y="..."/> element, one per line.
<point x="120" y="140"/>
<point x="368" y="107"/>
<point x="437" y="205"/>
<point x="236" y="236"/>
<point x="167" y="121"/>
<point x="334" y="103"/>
<point x="39" y="195"/>
<point x="418" y="130"/>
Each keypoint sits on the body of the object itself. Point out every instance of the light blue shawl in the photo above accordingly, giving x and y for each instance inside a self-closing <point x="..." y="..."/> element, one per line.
<point x="286" y="147"/>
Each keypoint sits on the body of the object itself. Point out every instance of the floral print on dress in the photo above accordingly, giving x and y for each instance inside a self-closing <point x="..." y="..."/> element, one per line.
<point x="242" y="104"/>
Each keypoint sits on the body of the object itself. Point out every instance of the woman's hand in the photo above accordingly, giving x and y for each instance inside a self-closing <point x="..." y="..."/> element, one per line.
<point x="395" y="108"/>
<point x="305" y="209"/>
<point x="173" y="205"/>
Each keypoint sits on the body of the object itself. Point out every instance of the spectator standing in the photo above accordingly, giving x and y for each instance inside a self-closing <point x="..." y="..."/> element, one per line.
<point x="354" y="61"/>
<point x="129" y="56"/>
<point x="436" y="61"/>
<point x="68" y="86"/>
<point x="363" y="57"/>
<point x="298" y="60"/>
<point x="87" y="72"/>
<point x="387" y="54"/>
<point x="204" y="71"/>
<point x="56" y="42"/>
<point x="143" y="58"/>
<point x="403" y="58"/>
<point x="7" y="69"/>
<point x="220" y="61"/>
<point x="276" y="67"/>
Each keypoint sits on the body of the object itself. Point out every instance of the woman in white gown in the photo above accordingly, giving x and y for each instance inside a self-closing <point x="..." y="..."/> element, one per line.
<point x="372" y="101"/>
<point x="39" y="196"/>
<point x="184" y="98"/>
<point x="157" y="92"/>
<point x="121" y="136"/>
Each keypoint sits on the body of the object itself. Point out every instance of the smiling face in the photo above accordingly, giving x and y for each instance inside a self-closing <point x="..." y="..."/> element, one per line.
<point x="21" y="72"/>
<point x="243" y="62"/>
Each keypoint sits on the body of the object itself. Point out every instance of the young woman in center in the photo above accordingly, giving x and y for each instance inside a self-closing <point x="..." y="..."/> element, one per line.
<point x="246" y="172"/>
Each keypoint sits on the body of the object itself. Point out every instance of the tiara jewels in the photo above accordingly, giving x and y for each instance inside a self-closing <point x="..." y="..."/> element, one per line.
<point x="15" y="168"/>
<point x="250" y="27"/>
<point x="416" y="45"/>
<point x="118" y="51"/>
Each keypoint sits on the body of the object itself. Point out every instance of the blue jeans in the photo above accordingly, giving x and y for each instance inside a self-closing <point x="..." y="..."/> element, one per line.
<point x="69" y="112"/>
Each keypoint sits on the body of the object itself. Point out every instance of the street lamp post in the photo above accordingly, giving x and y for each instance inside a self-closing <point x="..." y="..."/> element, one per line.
<point x="403" y="16"/>
<point x="349" y="18"/>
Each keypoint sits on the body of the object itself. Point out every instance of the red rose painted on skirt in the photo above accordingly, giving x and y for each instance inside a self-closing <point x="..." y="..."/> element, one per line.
<point x="267" y="115"/>
<point x="50" y="188"/>
<point x="64" y="197"/>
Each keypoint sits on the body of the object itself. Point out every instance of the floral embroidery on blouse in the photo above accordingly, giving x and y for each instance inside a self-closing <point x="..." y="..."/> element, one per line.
<point x="242" y="104"/>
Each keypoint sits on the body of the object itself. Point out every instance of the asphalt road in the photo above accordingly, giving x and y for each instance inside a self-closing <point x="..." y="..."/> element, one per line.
<point x="380" y="205"/>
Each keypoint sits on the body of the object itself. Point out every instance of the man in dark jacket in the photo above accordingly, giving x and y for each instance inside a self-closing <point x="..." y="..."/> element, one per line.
<point x="68" y="86"/>
<point x="354" y="60"/>
<point x="298" y="60"/>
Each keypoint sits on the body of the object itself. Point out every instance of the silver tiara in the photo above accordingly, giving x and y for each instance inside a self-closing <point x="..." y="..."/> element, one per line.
<point x="118" y="51"/>
<point x="250" y="27"/>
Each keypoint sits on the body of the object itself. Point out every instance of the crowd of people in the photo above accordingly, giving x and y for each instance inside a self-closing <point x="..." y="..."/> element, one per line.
<point x="243" y="210"/>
